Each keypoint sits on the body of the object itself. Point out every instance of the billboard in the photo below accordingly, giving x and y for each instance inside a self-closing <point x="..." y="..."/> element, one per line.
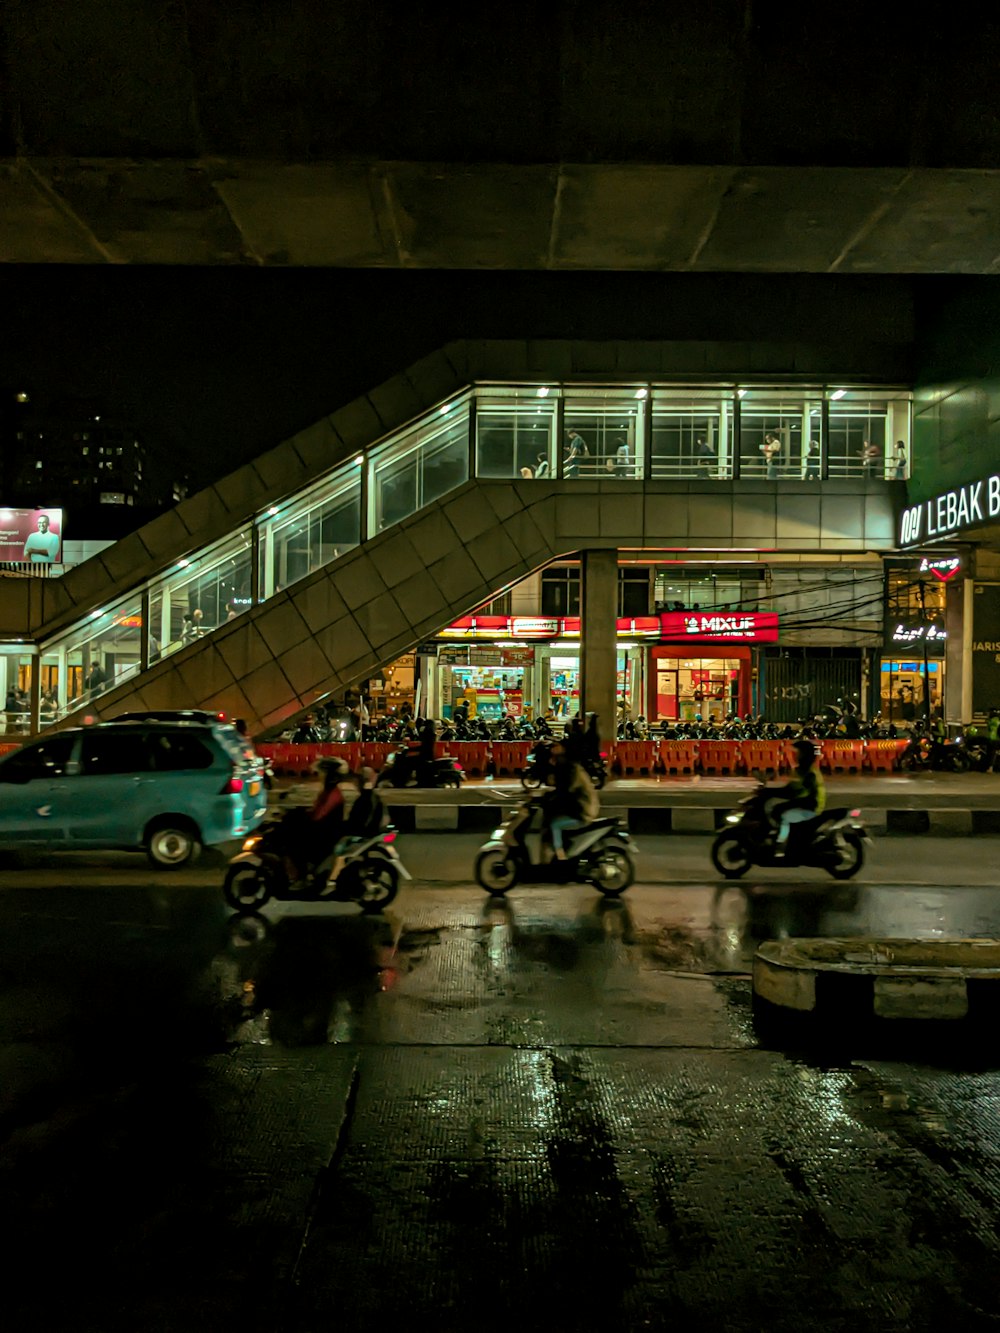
<point x="694" y="626"/>
<point x="31" y="535"/>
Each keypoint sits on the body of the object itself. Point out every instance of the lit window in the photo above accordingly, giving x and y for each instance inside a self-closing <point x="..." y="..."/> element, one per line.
<point x="22" y="397"/>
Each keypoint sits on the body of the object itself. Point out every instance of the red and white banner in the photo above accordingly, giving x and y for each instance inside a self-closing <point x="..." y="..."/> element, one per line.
<point x="670" y="626"/>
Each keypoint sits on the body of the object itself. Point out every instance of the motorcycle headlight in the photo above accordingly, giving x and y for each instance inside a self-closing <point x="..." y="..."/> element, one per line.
<point x="497" y="833"/>
<point x="733" y="819"/>
<point x="251" y="843"/>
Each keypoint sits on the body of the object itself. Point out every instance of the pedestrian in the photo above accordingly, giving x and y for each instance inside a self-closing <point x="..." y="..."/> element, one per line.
<point x="541" y="466"/>
<point x="811" y="472"/>
<point x="574" y="741"/>
<point x="592" y="740"/>
<point x="622" y="463"/>
<point x="869" y="458"/>
<point x="704" y="456"/>
<point x="771" y="448"/>
<point x="576" y="450"/>
<point x="527" y="473"/>
<point x="899" y="459"/>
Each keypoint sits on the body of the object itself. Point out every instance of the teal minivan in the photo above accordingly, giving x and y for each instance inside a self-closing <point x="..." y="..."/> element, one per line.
<point x="165" y="787"/>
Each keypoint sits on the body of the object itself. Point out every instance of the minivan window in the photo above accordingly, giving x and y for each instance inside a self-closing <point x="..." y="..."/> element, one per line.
<point x="107" y="752"/>
<point x="46" y="759"/>
<point x="177" y="750"/>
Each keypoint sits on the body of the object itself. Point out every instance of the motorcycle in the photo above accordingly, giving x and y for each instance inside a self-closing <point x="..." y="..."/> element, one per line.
<point x="833" y="841"/>
<point x="599" y="853"/>
<point x="403" y="768"/>
<point x="539" y="764"/>
<point x="923" y="754"/>
<point x="369" y="876"/>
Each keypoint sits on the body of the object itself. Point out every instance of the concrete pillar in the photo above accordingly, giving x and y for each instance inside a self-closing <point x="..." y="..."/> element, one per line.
<point x="956" y="661"/>
<point x="599" y="646"/>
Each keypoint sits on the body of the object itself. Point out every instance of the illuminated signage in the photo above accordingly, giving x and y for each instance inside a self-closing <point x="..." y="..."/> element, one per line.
<point x="943" y="569"/>
<point x="917" y="633"/>
<point x="710" y="627"/>
<point x="31" y="535"/>
<point x="963" y="507"/>
<point x="720" y="627"/>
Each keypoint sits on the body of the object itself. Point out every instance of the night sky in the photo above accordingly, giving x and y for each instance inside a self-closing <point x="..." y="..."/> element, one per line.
<point x="217" y="364"/>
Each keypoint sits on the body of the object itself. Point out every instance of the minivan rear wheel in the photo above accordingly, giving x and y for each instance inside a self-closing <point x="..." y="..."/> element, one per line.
<point x="172" y="843"/>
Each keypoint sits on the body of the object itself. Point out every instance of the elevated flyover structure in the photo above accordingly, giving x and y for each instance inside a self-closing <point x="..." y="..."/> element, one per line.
<point x="328" y="557"/>
<point x="723" y="136"/>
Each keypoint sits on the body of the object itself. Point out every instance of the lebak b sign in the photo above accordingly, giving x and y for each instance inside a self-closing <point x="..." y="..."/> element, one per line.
<point x="963" y="507"/>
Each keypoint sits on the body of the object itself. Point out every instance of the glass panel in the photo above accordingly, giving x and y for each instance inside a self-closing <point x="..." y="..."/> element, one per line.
<point x="305" y="533"/>
<point x="15" y="689"/>
<point x="869" y="434"/>
<point x="515" y="433"/>
<point x="98" y="654"/>
<point x="692" y="433"/>
<point x="605" y="435"/>
<point x="780" y="434"/>
<point x="409" y="472"/>
<point x="113" y="751"/>
<point x="201" y="593"/>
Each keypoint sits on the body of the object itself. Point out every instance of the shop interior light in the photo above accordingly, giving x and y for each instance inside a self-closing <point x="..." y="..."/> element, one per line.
<point x="741" y="393"/>
<point x="837" y="393"/>
<point x="543" y="392"/>
<point x="641" y="393"/>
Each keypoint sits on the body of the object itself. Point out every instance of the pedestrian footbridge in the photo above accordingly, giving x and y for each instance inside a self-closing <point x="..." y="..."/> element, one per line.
<point x="325" y="559"/>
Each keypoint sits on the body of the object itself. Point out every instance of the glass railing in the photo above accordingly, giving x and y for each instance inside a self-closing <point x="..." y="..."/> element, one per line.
<point x="521" y="433"/>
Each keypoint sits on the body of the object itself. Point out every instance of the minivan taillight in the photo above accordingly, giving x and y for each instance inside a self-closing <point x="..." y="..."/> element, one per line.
<point x="233" y="787"/>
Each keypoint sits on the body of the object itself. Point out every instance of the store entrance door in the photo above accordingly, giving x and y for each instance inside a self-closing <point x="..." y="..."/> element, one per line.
<point x="688" y="687"/>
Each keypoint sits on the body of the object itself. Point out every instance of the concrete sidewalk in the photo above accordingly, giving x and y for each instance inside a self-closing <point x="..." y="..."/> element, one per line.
<point x="912" y="803"/>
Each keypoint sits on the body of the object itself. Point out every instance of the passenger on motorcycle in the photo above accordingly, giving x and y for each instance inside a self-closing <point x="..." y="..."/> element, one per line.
<point x="364" y="819"/>
<point x="805" y="795"/>
<point x="314" y="833"/>
<point x="572" y="802"/>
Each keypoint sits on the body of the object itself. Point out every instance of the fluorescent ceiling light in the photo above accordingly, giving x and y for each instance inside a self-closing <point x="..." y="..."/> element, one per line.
<point x="543" y="392"/>
<point x="641" y="393"/>
<point x="837" y="393"/>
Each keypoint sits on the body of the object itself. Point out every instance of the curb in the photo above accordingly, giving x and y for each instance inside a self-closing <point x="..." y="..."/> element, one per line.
<point x="686" y="819"/>
<point x="847" y="986"/>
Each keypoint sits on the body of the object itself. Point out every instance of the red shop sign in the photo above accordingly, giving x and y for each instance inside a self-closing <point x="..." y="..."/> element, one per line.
<point x="720" y="626"/>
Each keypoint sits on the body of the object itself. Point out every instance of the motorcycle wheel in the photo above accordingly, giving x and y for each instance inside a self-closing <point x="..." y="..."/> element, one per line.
<point x="530" y="780"/>
<point x="496" y="872"/>
<point x="730" y="856"/>
<point x="960" y="762"/>
<point x="612" y="871"/>
<point x="910" y="763"/>
<point x="247" y="887"/>
<point x="852" y="858"/>
<point x="372" y="884"/>
<point x="599" y="778"/>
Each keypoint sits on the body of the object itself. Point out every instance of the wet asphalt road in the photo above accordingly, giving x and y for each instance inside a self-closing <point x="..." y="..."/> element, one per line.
<point x="465" y="1113"/>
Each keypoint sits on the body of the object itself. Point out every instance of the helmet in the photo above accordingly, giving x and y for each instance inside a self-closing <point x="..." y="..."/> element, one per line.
<point x="339" y="766"/>
<point x="806" y="749"/>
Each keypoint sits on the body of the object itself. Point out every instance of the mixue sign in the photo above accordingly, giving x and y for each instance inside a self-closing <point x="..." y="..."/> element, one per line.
<point x="976" y="502"/>
<point x="720" y="626"/>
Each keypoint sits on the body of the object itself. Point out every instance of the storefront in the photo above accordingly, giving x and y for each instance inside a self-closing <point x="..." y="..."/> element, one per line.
<point x="703" y="666"/>
<point x="686" y="687"/>
<point x="914" y="647"/>
<point x="670" y="666"/>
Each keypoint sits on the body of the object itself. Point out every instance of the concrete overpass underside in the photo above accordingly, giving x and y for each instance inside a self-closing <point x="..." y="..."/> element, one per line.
<point x="722" y="136"/>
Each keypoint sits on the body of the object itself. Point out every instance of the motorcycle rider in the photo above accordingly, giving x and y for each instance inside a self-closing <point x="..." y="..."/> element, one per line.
<point x="365" y="818"/>
<point x="572" y="802"/>
<point x="992" y="738"/>
<point x="805" y="795"/>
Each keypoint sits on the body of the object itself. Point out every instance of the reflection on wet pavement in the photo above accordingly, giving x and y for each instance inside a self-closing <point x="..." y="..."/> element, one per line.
<point x="548" y="1110"/>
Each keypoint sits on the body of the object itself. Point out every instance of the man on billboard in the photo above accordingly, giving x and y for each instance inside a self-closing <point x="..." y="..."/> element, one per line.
<point x="42" y="546"/>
